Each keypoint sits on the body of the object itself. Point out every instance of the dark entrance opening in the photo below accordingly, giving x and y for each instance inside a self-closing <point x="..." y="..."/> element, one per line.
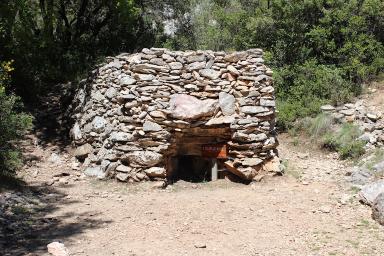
<point x="191" y="168"/>
<point x="198" y="154"/>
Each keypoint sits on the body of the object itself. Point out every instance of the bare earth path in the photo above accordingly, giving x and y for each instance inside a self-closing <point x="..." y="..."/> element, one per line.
<point x="309" y="211"/>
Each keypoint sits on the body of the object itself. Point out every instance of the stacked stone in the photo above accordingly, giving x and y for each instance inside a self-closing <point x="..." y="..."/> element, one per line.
<point x="131" y="112"/>
<point x="370" y="122"/>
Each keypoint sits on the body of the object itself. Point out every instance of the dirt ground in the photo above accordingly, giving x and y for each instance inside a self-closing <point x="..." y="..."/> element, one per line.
<point x="309" y="211"/>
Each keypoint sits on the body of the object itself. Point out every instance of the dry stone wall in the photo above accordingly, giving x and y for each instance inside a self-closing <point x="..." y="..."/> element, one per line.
<point x="137" y="110"/>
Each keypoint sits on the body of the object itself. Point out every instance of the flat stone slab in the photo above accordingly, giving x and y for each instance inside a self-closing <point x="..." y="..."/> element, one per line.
<point x="221" y="120"/>
<point x="187" y="107"/>
<point x="254" y="109"/>
<point x="327" y="108"/>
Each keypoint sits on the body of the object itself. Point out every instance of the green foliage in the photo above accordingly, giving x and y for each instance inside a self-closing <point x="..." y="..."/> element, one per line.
<point x="345" y="141"/>
<point x="54" y="41"/>
<point x="13" y="124"/>
<point x="311" y="85"/>
<point x="213" y="25"/>
<point x="347" y="35"/>
<point x="326" y="133"/>
<point x="219" y="28"/>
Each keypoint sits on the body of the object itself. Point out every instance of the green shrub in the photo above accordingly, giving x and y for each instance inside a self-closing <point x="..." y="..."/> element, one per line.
<point x="290" y="110"/>
<point x="13" y="124"/>
<point x="345" y="141"/>
<point x="303" y="89"/>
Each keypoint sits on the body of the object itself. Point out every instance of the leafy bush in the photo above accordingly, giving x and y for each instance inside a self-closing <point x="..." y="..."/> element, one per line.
<point x="303" y="89"/>
<point x="55" y="41"/>
<point x="13" y="124"/>
<point x="349" y="34"/>
<point x="345" y="141"/>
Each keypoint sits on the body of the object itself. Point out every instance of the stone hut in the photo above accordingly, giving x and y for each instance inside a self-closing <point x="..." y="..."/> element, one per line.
<point x="162" y="114"/>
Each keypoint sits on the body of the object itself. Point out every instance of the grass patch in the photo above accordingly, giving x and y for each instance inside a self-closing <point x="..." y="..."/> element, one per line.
<point x="345" y="141"/>
<point x="19" y="210"/>
<point x="364" y="223"/>
<point x="377" y="156"/>
<point x="295" y="141"/>
<point x="355" y="244"/>
<point x="316" y="248"/>
<point x="320" y="125"/>
<point x="324" y="132"/>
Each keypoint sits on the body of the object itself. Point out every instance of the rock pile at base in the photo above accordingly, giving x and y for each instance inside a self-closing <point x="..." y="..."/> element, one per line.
<point x="136" y="111"/>
<point x="371" y="123"/>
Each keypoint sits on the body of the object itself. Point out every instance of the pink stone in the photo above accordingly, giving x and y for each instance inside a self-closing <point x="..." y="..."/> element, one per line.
<point x="187" y="107"/>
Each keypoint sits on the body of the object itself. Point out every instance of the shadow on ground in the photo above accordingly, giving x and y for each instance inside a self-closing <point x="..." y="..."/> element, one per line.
<point x="25" y="225"/>
<point x="51" y="115"/>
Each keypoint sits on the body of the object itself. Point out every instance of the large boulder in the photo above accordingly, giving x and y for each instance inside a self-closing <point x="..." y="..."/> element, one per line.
<point x="378" y="209"/>
<point x="379" y="167"/>
<point x="186" y="107"/>
<point x="360" y="177"/>
<point x="369" y="192"/>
